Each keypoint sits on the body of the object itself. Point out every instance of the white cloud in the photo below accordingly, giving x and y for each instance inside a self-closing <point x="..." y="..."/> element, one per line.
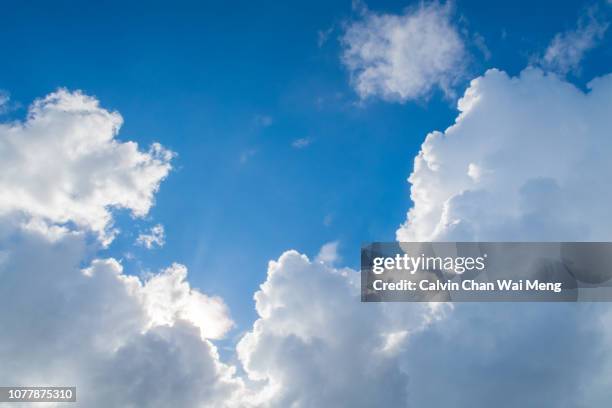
<point x="316" y="345"/>
<point x="301" y="143"/>
<point x="527" y="159"/>
<point x="514" y="165"/>
<point x="155" y="237"/>
<point x="404" y="57"/>
<point x="63" y="164"/>
<point x="168" y="298"/>
<point x="122" y="341"/>
<point x="329" y="253"/>
<point x="515" y="355"/>
<point x="567" y="49"/>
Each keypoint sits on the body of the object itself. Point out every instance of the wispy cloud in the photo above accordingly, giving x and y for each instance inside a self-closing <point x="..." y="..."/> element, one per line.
<point x="329" y="253"/>
<point x="323" y="36"/>
<point x="263" y="120"/>
<point x="155" y="237"/>
<point x="246" y="155"/>
<point x="481" y="44"/>
<point x="4" y="100"/>
<point x="301" y="143"/>
<point x="566" y="50"/>
<point x="6" y="105"/>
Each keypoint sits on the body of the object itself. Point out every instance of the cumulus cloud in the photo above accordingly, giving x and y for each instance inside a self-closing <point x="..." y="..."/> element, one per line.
<point x="514" y="355"/>
<point x="63" y="164"/>
<point x="316" y="345"/>
<point x="512" y="167"/>
<point x="567" y="49"/>
<point x="155" y="237"/>
<point x="72" y="319"/>
<point x="168" y="298"/>
<point x="525" y="160"/>
<point x="514" y="164"/>
<point x="139" y="343"/>
<point x="404" y="57"/>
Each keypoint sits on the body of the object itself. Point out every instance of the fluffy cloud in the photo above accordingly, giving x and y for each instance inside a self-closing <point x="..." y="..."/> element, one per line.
<point x="567" y="49"/>
<point x="404" y="57"/>
<point x="316" y="345"/>
<point x="122" y="340"/>
<point x="63" y="164"/>
<point x="515" y="164"/>
<point x="513" y="355"/>
<point x="168" y="298"/>
<point x="512" y="167"/>
<point x="155" y="237"/>
<point x="527" y="159"/>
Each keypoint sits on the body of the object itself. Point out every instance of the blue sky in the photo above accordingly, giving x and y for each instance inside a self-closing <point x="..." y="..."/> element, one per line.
<point x="295" y="125"/>
<point x="229" y="87"/>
